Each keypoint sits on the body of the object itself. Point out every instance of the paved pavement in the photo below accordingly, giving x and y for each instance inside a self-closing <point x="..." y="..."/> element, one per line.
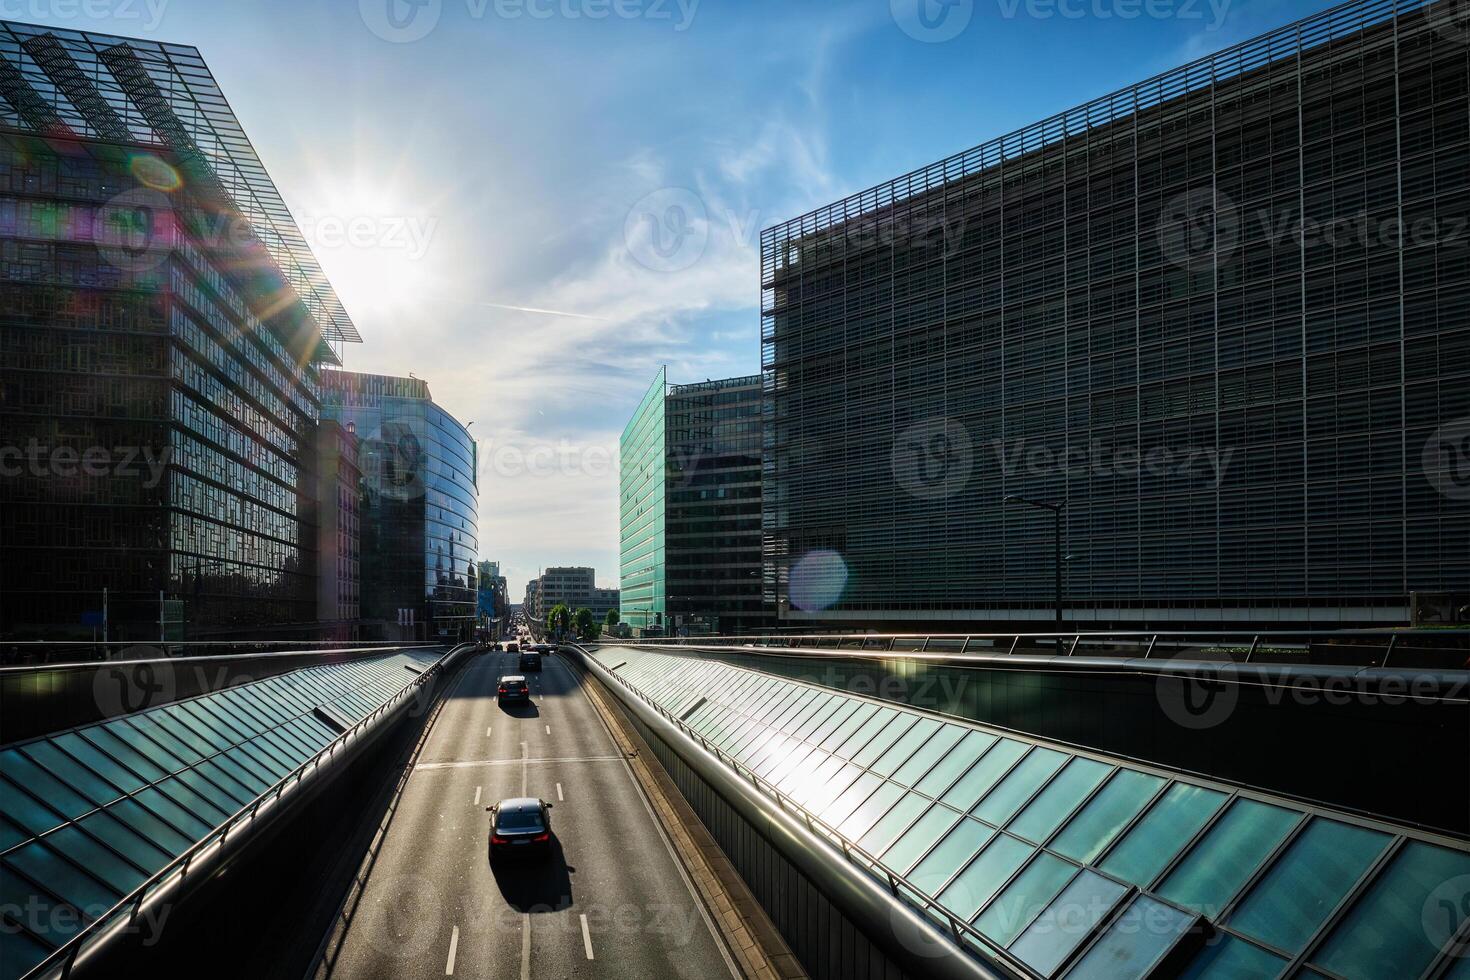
<point x="611" y="901"/>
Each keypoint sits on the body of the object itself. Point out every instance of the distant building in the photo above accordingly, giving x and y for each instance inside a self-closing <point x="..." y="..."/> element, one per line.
<point x="603" y="601"/>
<point x="161" y="326"/>
<point x="494" y="602"/>
<point x="690" y="508"/>
<point x="420" y="506"/>
<point x="338" y="478"/>
<point x="532" y="603"/>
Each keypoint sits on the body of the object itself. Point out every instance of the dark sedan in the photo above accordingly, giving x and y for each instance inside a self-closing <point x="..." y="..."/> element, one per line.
<point x="513" y="687"/>
<point x="520" y="827"/>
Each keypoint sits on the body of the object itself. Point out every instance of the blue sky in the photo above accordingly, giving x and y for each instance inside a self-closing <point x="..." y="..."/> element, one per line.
<point x="532" y="154"/>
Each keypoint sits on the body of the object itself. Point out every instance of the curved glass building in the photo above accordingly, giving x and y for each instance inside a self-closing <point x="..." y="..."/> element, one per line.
<point x="420" y="538"/>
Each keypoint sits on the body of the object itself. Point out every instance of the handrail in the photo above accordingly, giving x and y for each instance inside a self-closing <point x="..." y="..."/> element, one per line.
<point x="1237" y="646"/>
<point x="65" y="955"/>
<point x="926" y="903"/>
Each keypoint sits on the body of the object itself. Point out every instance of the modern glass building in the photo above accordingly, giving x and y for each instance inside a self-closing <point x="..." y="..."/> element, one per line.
<point x="161" y="319"/>
<point x="713" y="506"/>
<point x="641" y="461"/>
<point x="1222" y="315"/>
<point x="420" y="505"/>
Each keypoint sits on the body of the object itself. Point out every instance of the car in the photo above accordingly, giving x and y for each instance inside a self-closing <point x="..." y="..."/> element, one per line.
<point x="512" y="648"/>
<point x="544" y="648"/>
<point x="531" y="659"/>
<point x="513" y="687"/>
<point x="520" y="827"/>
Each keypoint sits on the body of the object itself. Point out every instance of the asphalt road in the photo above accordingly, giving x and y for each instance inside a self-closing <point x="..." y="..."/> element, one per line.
<point x="610" y="901"/>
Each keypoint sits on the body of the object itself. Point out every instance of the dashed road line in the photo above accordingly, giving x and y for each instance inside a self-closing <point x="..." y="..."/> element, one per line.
<point x="559" y="797"/>
<point x="526" y="946"/>
<point x="454" y="946"/>
<point x="548" y="729"/>
<point x="586" y="937"/>
<point x="487" y="731"/>
<point x="517" y="761"/>
<point x="477" y="795"/>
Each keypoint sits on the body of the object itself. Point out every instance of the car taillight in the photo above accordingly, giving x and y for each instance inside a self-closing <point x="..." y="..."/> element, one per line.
<point x="502" y="689"/>
<point x="497" y="839"/>
<point x="542" y="837"/>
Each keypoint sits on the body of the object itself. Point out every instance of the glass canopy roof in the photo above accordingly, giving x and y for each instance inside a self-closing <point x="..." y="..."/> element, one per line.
<point x="88" y="815"/>
<point x="1071" y="863"/>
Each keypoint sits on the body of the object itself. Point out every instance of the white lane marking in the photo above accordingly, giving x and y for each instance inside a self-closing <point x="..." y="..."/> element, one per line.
<point x="453" y="946"/>
<point x="525" y="768"/>
<point x="477" y="796"/>
<point x="548" y="729"/>
<point x="515" y="762"/>
<point x="487" y="731"/>
<point x="526" y="946"/>
<point x="586" y="937"/>
<point x="559" y="797"/>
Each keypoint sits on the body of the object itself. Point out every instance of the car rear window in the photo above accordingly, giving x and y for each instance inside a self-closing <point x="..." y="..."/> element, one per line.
<point x="518" y="820"/>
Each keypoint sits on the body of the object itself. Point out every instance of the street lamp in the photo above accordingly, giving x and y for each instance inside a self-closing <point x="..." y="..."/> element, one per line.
<point x="1056" y="513"/>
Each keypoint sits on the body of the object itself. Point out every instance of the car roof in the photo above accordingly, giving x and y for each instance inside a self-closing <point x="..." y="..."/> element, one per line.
<point x="513" y="677"/>
<point x="519" y="803"/>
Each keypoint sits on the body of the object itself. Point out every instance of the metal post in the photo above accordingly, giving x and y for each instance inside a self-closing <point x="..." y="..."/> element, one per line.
<point x="161" y="637"/>
<point x="104" y="614"/>
<point x="1057" y="513"/>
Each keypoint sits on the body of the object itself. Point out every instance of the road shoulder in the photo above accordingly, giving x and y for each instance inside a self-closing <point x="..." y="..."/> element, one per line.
<point x="757" y="946"/>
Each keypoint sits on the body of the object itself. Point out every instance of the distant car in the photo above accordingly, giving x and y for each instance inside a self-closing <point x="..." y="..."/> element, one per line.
<point x="520" y="827"/>
<point x="531" y="659"/>
<point x="545" y="648"/>
<point x="511" y="648"/>
<point x="513" y="687"/>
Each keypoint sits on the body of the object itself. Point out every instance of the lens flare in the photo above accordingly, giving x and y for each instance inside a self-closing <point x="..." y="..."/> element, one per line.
<point x="817" y="579"/>
<point x="154" y="173"/>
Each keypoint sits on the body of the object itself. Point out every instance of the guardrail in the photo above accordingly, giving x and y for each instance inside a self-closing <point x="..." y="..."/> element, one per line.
<point x="898" y="886"/>
<point x="176" y="872"/>
<point x="1345" y="648"/>
<point x="22" y="653"/>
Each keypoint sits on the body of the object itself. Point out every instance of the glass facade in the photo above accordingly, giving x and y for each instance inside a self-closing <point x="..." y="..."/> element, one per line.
<point x="1224" y="315"/>
<point x="420" y="504"/>
<point x="642" y="455"/>
<point x="1067" y="863"/>
<point x="713" y="506"/>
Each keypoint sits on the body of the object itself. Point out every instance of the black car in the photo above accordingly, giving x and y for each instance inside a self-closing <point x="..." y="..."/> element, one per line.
<point x="511" y="648"/>
<point x="513" y="687"/>
<point x="530" y="660"/>
<point x="520" y="827"/>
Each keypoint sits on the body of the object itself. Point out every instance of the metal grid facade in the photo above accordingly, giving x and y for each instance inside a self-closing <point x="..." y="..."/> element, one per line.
<point x="713" y="506"/>
<point x="1222" y="313"/>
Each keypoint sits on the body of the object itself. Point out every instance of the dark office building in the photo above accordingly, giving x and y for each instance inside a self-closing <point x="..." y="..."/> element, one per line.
<point x="161" y="319"/>
<point x="419" y="506"/>
<point x="1224" y="316"/>
<point x="691" y="508"/>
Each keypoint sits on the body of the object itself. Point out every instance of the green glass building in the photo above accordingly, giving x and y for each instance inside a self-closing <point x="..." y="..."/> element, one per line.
<point x="641" y="464"/>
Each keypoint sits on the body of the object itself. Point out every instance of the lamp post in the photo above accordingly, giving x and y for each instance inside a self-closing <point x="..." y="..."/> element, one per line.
<point x="1056" y="513"/>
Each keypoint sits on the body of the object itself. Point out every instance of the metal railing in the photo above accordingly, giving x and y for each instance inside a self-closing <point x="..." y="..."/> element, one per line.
<point x="1447" y="648"/>
<point x="64" y="957"/>
<point x="21" y="653"/>
<point x="898" y="885"/>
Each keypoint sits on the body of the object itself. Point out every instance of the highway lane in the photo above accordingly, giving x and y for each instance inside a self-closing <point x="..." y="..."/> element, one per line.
<point x="611" y="901"/>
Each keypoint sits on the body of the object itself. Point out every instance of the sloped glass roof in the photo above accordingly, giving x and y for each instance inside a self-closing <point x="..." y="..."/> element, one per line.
<point x="88" y="815"/>
<point x="1068" y="863"/>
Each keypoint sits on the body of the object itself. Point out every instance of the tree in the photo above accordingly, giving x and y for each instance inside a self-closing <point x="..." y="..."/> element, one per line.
<point x="559" y="618"/>
<point x="612" y="617"/>
<point x="585" y="625"/>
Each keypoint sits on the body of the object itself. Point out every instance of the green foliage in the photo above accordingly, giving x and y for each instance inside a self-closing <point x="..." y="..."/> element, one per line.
<point x="585" y="626"/>
<point x="559" y="618"/>
<point x="612" y="617"/>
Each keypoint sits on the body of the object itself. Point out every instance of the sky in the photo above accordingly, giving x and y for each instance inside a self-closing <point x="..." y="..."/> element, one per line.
<point x="533" y="204"/>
